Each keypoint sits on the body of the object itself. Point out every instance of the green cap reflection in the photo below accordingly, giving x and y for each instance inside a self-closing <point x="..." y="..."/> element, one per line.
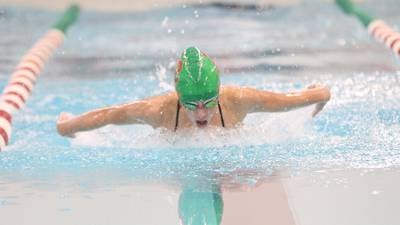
<point x="200" y="208"/>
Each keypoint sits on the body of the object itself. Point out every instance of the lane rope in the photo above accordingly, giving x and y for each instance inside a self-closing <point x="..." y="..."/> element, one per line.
<point x="376" y="27"/>
<point x="23" y="79"/>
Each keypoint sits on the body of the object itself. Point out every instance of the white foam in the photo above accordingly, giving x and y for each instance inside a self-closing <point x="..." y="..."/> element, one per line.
<point x="257" y="129"/>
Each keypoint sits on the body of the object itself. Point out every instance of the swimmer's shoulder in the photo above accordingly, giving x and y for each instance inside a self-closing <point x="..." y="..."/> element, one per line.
<point x="163" y="102"/>
<point x="157" y="109"/>
<point x="240" y="93"/>
<point x="164" y="107"/>
<point x="231" y="93"/>
<point x="234" y="100"/>
<point x="229" y="98"/>
<point x="152" y="106"/>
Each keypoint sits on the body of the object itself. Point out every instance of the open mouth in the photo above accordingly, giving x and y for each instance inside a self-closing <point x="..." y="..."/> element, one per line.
<point x="201" y="123"/>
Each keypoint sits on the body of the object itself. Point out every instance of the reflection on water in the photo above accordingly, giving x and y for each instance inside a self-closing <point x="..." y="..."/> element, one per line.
<point x="201" y="207"/>
<point x="364" y="196"/>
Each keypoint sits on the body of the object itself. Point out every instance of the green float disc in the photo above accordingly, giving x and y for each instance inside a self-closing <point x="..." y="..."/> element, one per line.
<point x="68" y="18"/>
<point x="348" y="7"/>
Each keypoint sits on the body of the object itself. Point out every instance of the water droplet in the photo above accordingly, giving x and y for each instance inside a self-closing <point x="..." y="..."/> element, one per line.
<point x="376" y="192"/>
<point x="196" y="14"/>
<point x="165" y="21"/>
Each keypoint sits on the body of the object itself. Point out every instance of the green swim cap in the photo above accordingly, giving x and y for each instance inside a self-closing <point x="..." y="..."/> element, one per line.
<point x="197" y="77"/>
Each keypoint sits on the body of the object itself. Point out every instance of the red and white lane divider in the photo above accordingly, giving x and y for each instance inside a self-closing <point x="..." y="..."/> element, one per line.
<point x="22" y="81"/>
<point x="383" y="33"/>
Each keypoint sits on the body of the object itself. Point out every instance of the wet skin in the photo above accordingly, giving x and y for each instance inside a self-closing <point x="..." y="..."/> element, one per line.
<point x="160" y="111"/>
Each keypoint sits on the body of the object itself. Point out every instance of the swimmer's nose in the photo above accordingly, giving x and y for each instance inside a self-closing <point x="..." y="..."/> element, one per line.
<point x="200" y="106"/>
<point x="201" y="112"/>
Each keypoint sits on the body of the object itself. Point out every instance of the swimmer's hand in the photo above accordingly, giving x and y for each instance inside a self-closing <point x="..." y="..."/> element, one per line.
<point x="326" y="95"/>
<point x="62" y="124"/>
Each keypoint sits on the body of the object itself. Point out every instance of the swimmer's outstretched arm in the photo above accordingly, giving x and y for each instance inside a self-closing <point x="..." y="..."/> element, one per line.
<point x="253" y="100"/>
<point x="140" y="112"/>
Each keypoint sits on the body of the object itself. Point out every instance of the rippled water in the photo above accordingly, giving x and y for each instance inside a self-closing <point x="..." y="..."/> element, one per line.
<point x="115" y="58"/>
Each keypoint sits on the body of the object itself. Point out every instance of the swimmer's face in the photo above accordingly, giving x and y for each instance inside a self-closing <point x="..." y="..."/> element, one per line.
<point x="201" y="115"/>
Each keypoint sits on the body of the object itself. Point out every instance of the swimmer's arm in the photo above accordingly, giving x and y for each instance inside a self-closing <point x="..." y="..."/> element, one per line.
<point x="253" y="100"/>
<point x="141" y="112"/>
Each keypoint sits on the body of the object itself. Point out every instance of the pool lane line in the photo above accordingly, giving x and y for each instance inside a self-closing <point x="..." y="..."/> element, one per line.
<point x="376" y="27"/>
<point x="23" y="79"/>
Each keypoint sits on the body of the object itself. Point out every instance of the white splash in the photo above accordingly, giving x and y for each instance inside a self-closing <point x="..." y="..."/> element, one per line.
<point x="257" y="129"/>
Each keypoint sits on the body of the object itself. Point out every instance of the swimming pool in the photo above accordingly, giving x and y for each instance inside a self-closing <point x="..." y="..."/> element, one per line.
<point x="129" y="56"/>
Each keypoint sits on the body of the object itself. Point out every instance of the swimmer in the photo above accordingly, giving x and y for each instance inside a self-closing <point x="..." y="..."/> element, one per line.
<point x="199" y="101"/>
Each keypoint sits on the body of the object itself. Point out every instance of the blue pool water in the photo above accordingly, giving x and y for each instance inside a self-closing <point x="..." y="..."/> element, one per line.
<point x="112" y="58"/>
